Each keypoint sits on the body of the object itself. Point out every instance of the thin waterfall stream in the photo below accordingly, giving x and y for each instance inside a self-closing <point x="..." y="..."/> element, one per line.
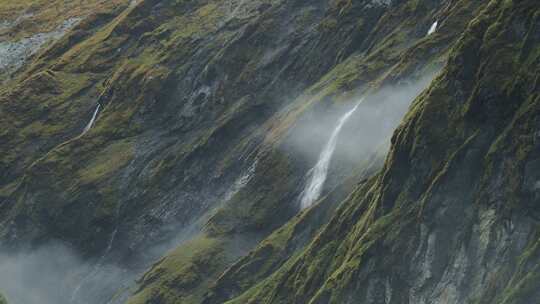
<point x="92" y="121"/>
<point x="318" y="173"/>
<point x="101" y="261"/>
<point x="433" y="28"/>
<point x="95" y="268"/>
<point x="242" y="181"/>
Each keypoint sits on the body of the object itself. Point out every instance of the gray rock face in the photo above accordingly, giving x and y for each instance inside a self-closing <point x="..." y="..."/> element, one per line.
<point x="459" y="272"/>
<point x="13" y="55"/>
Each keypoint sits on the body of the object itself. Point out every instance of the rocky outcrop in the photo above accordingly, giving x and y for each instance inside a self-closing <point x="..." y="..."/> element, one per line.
<point x="253" y="209"/>
<point x="14" y="54"/>
<point x="26" y="29"/>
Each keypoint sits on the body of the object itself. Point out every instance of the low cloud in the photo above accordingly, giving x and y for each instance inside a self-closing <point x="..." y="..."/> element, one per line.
<point x="52" y="273"/>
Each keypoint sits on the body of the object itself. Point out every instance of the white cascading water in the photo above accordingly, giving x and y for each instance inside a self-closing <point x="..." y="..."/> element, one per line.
<point x="242" y="181"/>
<point x="91" y="123"/>
<point x="433" y="28"/>
<point x="318" y="173"/>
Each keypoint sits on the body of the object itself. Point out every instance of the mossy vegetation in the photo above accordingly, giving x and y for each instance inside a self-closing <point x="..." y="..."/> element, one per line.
<point x="192" y="92"/>
<point x="183" y="274"/>
<point x="236" y="217"/>
<point x="377" y="230"/>
<point x="28" y="17"/>
<point x="108" y="161"/>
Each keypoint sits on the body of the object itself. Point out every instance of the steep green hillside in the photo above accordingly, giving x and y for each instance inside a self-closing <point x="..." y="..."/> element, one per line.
<point x="165" y="144"/>
<point x="28" y="27"/>
<point x="453" y="215"/>
<point x="254" y="208"/>
<point x="26" y="17"/>
<point x="175" y="92"/>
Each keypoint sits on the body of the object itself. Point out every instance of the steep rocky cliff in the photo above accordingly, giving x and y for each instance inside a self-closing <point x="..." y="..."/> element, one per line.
<point x="453" y="215"/>
<point x="163" y="146"/>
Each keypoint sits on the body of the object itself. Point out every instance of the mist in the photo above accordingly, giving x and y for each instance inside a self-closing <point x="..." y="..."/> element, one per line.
<point x="319" y="172"/>
<point x="51" y="274"/>
<point x="366" y="132"/>
<point x="56" y="274"/>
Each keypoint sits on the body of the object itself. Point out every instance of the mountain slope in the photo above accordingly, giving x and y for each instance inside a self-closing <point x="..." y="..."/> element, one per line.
<point x="245" y="214"/>
<point x="453" y="216"/>
<point x="28" y="27"/>
<point x="185" y="107"/>
<point x="170" y="141"/>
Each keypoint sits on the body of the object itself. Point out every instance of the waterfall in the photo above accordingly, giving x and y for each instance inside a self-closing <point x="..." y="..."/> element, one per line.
<point x="96" y="267"/>
<point x="318" y="173"/>
<point x="433" y="28"/>
<point x="91" y="123"/>
<point x="242" y="181"/>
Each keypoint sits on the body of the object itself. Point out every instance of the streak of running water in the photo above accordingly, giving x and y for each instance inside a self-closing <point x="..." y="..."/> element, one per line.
<point x="318" y="173"/>
<point x="433" y="28"/>
<point x="242" y="181"/>
<point x="92" y="121"/>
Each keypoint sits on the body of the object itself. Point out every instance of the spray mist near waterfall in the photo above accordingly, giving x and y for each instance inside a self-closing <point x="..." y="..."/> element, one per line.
<point x="318" y="173"/>
<point x="333" y="144"/>
<point x="94" y="270"/>
<point x="49" y="275"/>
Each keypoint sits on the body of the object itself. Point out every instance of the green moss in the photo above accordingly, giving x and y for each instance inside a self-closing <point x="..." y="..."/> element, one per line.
<point x="254" y="208"/>
<point x="108" y="161"/>
<point x="328" y="24"/>
<point x="46" y="15"/>
<point x="128" y="71"/>
<point x="372" y="234"/>
<point x="182" y="276"/>
<point x="40" y="128"/>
